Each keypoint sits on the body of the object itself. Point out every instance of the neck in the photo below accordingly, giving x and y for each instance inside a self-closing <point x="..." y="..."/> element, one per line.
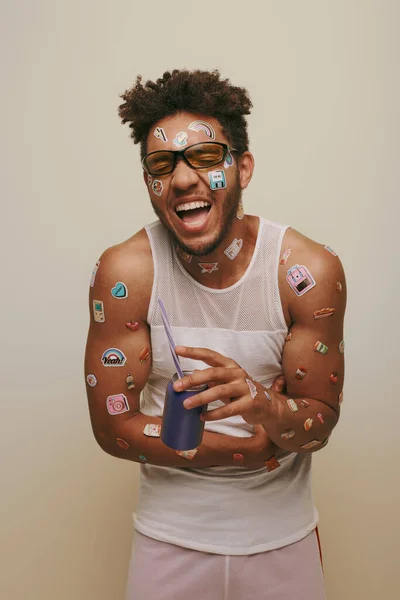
<point x="226" y="265"/>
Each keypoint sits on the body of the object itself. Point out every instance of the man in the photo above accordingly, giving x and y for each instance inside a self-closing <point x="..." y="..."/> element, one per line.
<point x="257" y="310"/>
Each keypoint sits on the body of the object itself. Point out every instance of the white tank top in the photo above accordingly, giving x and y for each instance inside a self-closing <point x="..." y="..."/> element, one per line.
<point x="223" y="510"/>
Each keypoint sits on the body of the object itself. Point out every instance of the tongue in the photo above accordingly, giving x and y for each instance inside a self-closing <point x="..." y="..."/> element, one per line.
<point x="193" y="215"/>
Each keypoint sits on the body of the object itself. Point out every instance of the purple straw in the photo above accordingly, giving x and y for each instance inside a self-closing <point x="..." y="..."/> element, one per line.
<point x="171" y="342"/>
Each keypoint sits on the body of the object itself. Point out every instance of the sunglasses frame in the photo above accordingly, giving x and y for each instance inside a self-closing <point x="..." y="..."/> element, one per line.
<point x="177" y="153"/>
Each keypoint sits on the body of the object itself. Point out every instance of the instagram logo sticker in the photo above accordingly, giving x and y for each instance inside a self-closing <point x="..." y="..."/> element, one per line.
<point x="118" y="404"/>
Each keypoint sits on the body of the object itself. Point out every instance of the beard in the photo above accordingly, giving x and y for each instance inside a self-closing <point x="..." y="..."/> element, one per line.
<point x="230" y="208"/>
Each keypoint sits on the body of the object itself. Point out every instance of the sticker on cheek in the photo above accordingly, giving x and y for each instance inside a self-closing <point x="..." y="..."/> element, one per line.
<point x="93" y="277"/>
<point x="252" y="388"/>
<point x="180" y="139"/>
<point x="98" y="311"/>
<point x="91" y="380"/>
<point x="118" y="404"/>
<point x="217" y="180"/>
<point x="331" y="250"/>
<point x="160" y="134"/>
<point x="122" y="443"/>
<point x="157" y="187"/>
<point x="228" y="161"/>
<point x="188" y="454"/>
<point x="300" y="279"/>
<point x="119" y="290"/>
<point x="285" y="256"/>
<point x="203" y="126"/>
<point x="208" y="267"/>
<point x="233" y="249"/>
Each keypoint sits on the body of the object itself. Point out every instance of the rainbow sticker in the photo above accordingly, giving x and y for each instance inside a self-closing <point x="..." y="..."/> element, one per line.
<point x="112" y="357"/>
<point x="203" y="126"/>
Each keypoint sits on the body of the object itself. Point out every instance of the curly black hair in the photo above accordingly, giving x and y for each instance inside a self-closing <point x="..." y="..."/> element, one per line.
<point x="195" y="91"/>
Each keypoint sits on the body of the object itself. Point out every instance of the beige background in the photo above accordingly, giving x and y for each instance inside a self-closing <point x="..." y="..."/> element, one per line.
<point x="324" y="80"/>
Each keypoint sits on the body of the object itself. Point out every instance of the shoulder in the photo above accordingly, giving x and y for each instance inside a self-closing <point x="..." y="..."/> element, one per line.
<point x="309" y="273"/>
<point x="131" y="263"/>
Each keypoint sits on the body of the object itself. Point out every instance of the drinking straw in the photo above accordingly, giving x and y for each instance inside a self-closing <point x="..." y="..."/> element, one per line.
<point x="171" y="342"/>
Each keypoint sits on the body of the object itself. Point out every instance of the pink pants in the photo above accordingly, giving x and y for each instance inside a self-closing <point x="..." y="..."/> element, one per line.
<point x="169" y="572"/>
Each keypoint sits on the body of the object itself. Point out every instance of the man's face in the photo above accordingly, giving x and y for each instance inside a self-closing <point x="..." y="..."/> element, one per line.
<point x="199" y="230"/>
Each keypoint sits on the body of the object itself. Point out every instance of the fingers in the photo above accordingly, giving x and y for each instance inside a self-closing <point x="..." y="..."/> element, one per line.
<point x="213" y="376"/>
<point x="223" y="392"/>
<point x="212" y="358"/>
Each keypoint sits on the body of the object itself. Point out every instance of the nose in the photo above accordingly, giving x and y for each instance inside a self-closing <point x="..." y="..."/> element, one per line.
<point x="183" y="176"/>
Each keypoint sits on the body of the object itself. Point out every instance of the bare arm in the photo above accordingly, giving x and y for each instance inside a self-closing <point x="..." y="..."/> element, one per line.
<point x="313" y="362"/>
<point x="116" y="364"/>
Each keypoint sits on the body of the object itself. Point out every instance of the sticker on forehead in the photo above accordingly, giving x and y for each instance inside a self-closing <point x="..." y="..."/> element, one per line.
<point x="160" y="134"/>
<point x="233" y="250"/>
<point x="208" y="267"/>
<point x="300" y="279"/>
<point x="228" y="161"/>
<point x="217" y="180"/>
<point x="181" y="139"/>
<point x="203" y="126"/>
<point x="157" y="187"/>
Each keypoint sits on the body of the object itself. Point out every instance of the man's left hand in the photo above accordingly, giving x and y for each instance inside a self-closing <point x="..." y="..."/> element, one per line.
<point x="227" y="382"/>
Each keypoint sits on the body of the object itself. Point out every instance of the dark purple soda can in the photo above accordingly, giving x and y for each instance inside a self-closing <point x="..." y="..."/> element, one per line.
<point x="181" y="427"/>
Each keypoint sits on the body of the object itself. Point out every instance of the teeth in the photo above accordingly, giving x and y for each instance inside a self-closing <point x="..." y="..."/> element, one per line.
<point x="191" y="205"/>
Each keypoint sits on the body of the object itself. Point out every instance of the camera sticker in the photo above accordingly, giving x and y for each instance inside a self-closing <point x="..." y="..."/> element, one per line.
<point x="119" y="290"/>
<point x="240" y="211"/>
<point x="285" y="256"/>
<point x="272" y="464"/>
<point x="112" y="357"/>
<point x="118" y="404"/>
<point x="188" y="454"/>
<point x="217" y="180"/>
<point x="320" y="347"/>
<point x="152" y="430"/>
<point x="252" y="388"/>
<point x="130" y="382"/>
<point x="180" y="139"/>
<point x="98" y="311"/>
<point x="233" y="249"/>
<point x="228" y="162"/>
<point x="93" y="277"/>
<point x="208" y="267"/>
<point x="203" y="126"/>
<point x="331" y="250"/>
<point x="324" y="312"/>
<point x="300" y="280"/>
<point x="160" y="134"/>
<point x="132" y="326"/>
<point x="157" y="187"/>
<point x="122" y="444"/>
<point x="91" y="380"/>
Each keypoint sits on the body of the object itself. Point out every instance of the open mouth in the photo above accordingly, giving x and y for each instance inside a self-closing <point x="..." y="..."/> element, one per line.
<point x="193" y="214"/>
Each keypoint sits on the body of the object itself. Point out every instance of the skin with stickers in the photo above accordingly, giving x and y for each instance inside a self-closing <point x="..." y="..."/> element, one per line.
<point x="203" y="212"/>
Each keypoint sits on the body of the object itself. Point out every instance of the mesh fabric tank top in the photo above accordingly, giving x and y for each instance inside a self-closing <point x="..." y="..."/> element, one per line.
<point x="223" y="510"/>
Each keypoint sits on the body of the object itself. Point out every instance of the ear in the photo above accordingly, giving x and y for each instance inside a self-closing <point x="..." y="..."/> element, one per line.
<point x="246" y="168"/>
<point x="146" y="178"/>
